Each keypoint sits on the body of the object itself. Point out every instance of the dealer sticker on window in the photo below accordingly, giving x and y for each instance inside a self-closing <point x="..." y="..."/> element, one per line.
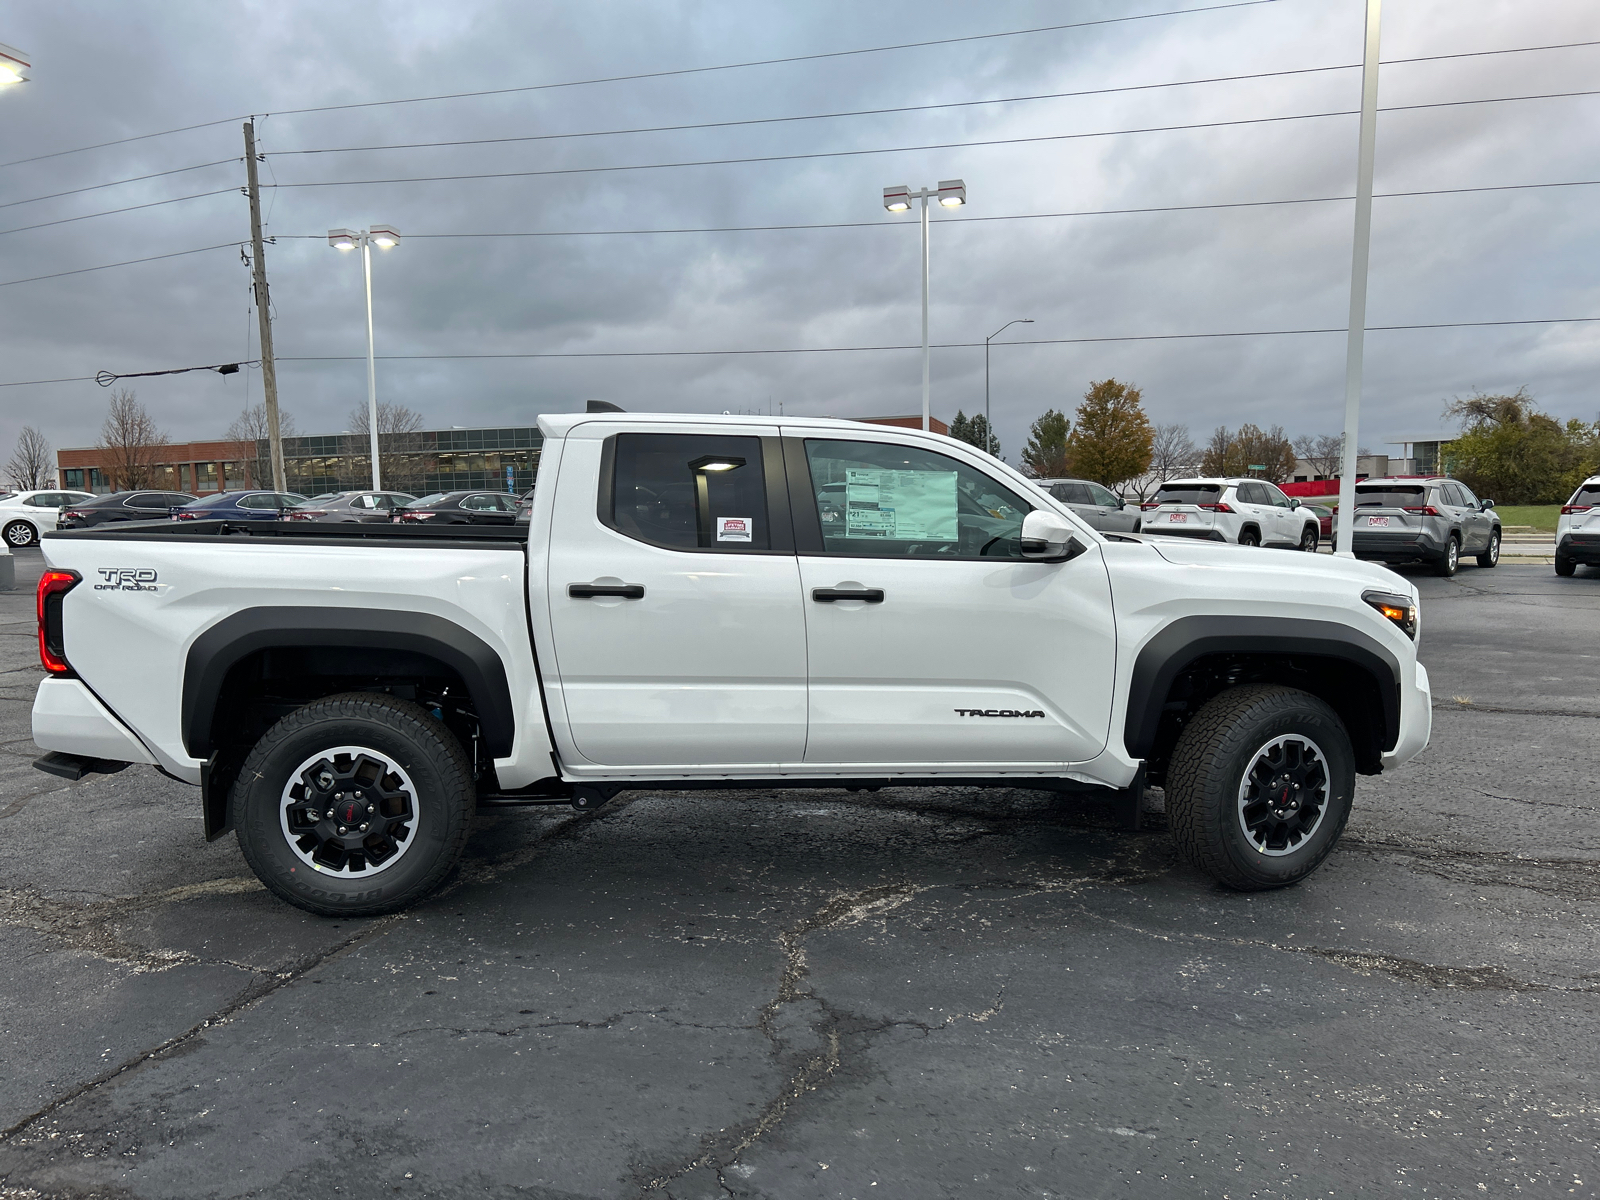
<point x="734" y="529"/>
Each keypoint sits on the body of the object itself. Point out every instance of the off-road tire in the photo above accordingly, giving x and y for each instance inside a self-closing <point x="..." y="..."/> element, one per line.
<point x="1250" y="537"/>
<point x="21" y="529"/>
<point x="1206" y="768"/>
<point x="444" y="792"/>
<point x="1491" y="554"/>
<point x="1450" y="560"/>
<point x="1309" y="537"/>
<point x="1565" y="566"/>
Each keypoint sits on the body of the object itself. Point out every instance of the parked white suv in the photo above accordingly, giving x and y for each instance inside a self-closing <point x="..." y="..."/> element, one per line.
<point x="1251" y="512"/>
<point x="1578" y="530"/>
<point x="25" y="515"/>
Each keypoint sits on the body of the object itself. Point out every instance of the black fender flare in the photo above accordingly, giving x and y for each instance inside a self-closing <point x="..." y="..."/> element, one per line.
<point x="216" y="651"/>
<point x="1189" y="639"/>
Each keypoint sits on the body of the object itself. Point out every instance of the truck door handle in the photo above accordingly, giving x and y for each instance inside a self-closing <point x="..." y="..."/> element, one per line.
<point x="829" y="595"/>
<point x="628" y="591"/>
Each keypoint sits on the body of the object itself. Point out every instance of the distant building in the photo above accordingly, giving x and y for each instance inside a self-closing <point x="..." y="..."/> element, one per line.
<point x="914" y="422"/>
<point x="435" y="460"/>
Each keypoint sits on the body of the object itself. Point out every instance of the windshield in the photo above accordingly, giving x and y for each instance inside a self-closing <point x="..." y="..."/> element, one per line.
<point x="1188" y="493"/>
<point x="1588" y="494"/>
<point x="1389" y="496"/>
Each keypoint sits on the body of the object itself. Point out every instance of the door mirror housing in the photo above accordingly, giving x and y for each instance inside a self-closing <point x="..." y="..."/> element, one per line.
<point x="1485" y="505"/>
<point x="1294" y="502"/>
<point x="1048" y="538"/>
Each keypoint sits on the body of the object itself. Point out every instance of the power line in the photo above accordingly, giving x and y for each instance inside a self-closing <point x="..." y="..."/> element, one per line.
<point x="865" y="112"/>
<point x="1147" y="337"/>
<point x="117" y="182"/>
<point x="127" y="263"/>
<point x="1052" y="137"/>
<point x="111" y="212"/>
<point x="138" y="137"/>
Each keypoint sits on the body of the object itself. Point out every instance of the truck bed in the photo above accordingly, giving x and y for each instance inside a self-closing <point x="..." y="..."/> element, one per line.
<point x="315" y="532"/>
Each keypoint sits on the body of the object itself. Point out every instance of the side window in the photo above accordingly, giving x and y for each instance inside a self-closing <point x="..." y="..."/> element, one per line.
<point x="883" y="500"/>
<point x="687" y="491"/>
<point x="1467" y="497"/>
<point x="1102" y="496"/>
<point x="256" y="502"/>
<point x="479" y="503"/>
<point x="1276" y="498"/>
<point x="1070" y="493"/>
<point x="1248" y="494"/>
<point x="1450" y="494"/>
<point x="143" y="500"/>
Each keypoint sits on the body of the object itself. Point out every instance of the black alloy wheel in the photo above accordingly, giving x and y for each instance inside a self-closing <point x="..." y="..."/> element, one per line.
<point x="354" y="805"/>
<point x="1491" y="554"/>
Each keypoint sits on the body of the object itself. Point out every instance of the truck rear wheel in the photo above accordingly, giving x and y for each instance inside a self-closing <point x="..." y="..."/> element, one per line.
<point x="354" y="805"/>
<point x="1259" y="786"/>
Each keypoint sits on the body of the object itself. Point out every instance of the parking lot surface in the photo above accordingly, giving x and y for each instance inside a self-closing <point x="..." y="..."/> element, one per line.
<point x="907" y="993"/>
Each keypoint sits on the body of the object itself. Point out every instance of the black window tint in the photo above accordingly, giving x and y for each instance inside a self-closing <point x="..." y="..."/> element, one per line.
<point x="1467" y="498"/>
<point x="143" y="500"/>
<point x="1188" y="493"/>
<point x="1071" y="493"/>
<point x="1393" y="496"/>
<point x="689" y="491"/>
<point x="884" y="500"/>
<point x="1588" y="494"/>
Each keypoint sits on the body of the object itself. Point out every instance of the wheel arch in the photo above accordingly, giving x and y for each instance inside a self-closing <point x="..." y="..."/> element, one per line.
<point x="340" y="642"/>
<point x="1195" y="658"/>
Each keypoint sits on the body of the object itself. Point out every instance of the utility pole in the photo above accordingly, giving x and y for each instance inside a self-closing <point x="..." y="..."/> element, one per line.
<point x="269" y="370"/>
<point x="1344" y="529"/>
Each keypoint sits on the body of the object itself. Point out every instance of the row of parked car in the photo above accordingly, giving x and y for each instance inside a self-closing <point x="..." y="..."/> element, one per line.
<point x="25" y="515"/>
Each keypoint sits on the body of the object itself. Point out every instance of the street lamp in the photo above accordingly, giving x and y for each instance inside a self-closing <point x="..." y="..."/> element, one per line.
<point x="14" y="65"/>
<point x="951" y="193"/>
<point x="988" y="423"/>
<point x="702" y="467"/>
<point x="385" y="237"/>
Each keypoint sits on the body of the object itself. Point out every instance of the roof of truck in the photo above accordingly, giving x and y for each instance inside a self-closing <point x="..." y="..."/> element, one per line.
<point x="558" y="424"/>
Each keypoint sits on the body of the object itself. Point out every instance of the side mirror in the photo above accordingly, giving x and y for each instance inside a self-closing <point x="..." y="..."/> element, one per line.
<point x="1294" y="502"/>
<point x="1485" y="505"/>
<point x="1048" y="538"/>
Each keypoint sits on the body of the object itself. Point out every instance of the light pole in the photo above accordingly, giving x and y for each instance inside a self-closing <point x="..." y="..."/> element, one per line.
<point x="951" y="193"/>
<point x="385" y="237"/>
<point x="14" y="65"/>
<point x="988" y="423"/>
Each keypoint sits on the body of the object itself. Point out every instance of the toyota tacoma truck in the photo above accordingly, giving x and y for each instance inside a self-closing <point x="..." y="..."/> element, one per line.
<point x="720" y="602"/>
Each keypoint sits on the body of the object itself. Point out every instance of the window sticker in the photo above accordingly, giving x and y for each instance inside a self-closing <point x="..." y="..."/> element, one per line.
<point x="900" y="505"/>
<point x="734" y="529"/>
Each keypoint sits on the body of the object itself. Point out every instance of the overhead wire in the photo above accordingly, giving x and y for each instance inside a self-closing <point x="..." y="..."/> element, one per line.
<point x="125" y="263"/>
<point x="111" y="212"/>
<point x="118" y="182"/>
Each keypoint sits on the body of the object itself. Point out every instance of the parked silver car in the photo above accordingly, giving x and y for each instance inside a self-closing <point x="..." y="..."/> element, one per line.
<point x="1097" y="505"/>
<point x="1427" y="520"/>
<point x="362" y="508"/>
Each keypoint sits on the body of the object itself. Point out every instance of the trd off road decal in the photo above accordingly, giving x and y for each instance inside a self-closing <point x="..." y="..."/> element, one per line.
<point x="126" y="579"/>
<point x="999" y="712"/>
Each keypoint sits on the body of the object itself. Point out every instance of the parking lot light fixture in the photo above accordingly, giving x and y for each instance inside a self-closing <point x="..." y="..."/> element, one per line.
<point x="951" y="193"/>
<point x="14" y="65"/>
<point x="988" y="422"/>
<point x="385" y="237"/>
<point x="703" y="467"/>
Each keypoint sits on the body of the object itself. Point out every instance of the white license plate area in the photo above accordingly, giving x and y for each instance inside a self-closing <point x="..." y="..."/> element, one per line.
<point x="1377" y="522"/>
<point x="1177" y="518"/>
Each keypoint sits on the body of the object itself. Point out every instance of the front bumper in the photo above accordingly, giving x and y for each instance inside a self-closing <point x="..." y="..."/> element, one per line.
<point x="1580" y="547"/>
<point x="1416" y="719"/>
<point x="1408" y="545"/>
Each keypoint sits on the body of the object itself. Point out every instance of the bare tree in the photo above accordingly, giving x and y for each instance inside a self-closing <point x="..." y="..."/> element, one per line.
<point x="398" y="443"/>
<point x="130" y="443"/>
<point x="30" y="467"/>
<point x="1173" y="453"/>
<point x="248" y="433"/>
<point x="1323" y="453"/>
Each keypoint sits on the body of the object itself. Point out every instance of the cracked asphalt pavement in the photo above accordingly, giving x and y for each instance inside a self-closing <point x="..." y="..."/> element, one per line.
<point x="802" y="994"/>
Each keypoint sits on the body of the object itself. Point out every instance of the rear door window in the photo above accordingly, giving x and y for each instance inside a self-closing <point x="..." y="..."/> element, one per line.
<point x="1188" y="493"/>
<point x="687" y="491"/>
<point x="150" y="500"/>
<point x="1071" y="493"/>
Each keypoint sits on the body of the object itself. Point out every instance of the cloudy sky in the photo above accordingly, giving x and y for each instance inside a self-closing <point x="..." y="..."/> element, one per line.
<point x="461" y="285"/>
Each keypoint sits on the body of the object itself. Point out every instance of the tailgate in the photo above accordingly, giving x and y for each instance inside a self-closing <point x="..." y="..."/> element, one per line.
<point x="1178" y="518"/>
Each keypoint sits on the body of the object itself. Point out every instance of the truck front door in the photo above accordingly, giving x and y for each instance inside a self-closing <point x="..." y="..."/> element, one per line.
<point x="674" y="598"/>
<point x="931" y="642"/>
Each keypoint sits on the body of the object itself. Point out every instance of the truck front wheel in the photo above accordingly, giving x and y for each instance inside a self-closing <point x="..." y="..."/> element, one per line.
<point x="354" y="805"/>
<point x="1259" y="786"/>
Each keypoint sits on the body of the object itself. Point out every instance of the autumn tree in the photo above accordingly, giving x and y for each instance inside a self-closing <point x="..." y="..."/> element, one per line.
<point x="31" y="467"/>
<point x="1046" y="456"/>
<point x="975" y="431"/>
<point x="398" y="443"/>
<point x="1511" y="451"/>
<point x="248" y="433"/>
<point x="130" y="445"/>
<point x="1264" y="454"/>
<point x="1113" y="439"/>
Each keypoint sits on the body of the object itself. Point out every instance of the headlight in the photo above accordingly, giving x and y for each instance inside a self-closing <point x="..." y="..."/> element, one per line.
<point x="1402" y="610"/>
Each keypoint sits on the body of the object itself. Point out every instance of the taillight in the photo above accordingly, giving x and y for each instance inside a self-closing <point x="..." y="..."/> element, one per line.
<point x="304" y="514"/>
<point x="1223" y="508"/>
<point x="186" y="516"/>
<point x="1568" y="509"/>
<point x="53" y="585"/>
<point x="1148" y="507"/>
<point x="1426" y="510"/>
<point x="417" y="516"/>
<point x="74" y="515"/>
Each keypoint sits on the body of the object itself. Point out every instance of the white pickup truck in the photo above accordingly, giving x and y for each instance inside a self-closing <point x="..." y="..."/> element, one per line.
<point x="720" y="602"/>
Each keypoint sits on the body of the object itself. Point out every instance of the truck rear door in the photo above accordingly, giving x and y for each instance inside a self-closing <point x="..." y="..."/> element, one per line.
<point x="674" y="597"/>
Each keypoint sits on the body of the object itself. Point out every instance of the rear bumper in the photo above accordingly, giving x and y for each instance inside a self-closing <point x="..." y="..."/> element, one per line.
<point x="1404" y="546"/>
<point x="1204" y="535"/>
<point x="68" y="718"/>
<point x="1580" y="547"/>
